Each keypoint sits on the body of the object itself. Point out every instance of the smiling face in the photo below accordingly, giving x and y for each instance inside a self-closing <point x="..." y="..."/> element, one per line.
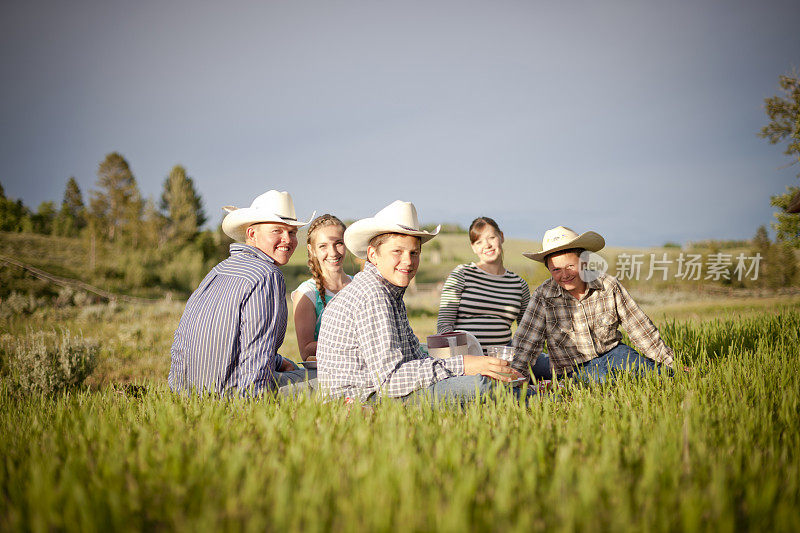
<point x="397" y="258"/>
<point x="276" y="240"/>
<point x="328" y="249"/>
<point x="488" y="245"/>
<point x="565" y="270"/>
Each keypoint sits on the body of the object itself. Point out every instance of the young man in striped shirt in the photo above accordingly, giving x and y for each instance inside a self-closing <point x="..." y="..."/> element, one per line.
<point x="234" y="322"/>
<point x="366" y="348"/>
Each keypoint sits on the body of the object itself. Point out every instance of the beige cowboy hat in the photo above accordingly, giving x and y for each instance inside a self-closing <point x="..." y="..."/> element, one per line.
<point x="397" y="217"/>
<point x="563" y="238"/>
<point x="272" y="206"/>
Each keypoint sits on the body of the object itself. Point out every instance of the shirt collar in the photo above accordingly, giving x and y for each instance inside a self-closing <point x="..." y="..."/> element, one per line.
<point x="394" y="290"/>
<point x="240" y="248"/>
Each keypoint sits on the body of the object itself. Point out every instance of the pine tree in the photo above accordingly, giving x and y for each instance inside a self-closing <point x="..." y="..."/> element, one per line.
<point x="71" y="218"/>
<point x="153" y="224"/>
<point x="117" y="206"/>
<point x="14" y="216"/>
<point x="44" y="218"/>
<point x="181" y="206"/>
<point x="784" y="125"/>
<point x="761" y="242"/>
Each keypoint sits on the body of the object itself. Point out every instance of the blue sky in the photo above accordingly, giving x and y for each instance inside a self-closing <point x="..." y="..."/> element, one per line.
<point x="635" y="119"/>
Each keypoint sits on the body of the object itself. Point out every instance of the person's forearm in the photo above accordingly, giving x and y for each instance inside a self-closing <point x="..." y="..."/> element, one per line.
<point x="310" y="350"/>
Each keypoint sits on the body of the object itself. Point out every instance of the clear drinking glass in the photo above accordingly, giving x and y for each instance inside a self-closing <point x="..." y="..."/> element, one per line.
<point x="505" y="353"/>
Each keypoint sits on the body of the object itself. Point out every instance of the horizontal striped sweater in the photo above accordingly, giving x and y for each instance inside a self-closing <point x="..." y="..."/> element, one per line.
<point x="483" y="304"/>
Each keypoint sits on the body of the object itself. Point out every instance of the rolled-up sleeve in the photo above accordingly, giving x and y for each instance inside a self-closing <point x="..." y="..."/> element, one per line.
<point x="640" y="328"/>
<point x="450" y="301"/>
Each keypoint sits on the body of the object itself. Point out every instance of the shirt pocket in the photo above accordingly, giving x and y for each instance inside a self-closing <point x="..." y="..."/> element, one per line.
<point x="561" y="332"/>
<point x="607" y="326"/>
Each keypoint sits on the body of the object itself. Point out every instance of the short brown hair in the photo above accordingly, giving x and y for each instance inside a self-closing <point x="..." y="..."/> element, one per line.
<point x="377" y="240"/>
<point x="477" y="226"/>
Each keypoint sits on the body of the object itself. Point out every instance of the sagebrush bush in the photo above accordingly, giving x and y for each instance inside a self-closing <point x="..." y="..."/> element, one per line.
<point x="99" y="312"/>
<point x="50" y="362"/>
<point x="65" y="298"/>
<point x="19" y="304"/>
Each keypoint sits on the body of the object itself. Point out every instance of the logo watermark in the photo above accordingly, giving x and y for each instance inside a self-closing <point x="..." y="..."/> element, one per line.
<point x="592" y="266"/>
<point x="686" y="266"/>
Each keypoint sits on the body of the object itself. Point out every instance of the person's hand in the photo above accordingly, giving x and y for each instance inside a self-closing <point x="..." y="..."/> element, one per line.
<point x="492" y="367"/>
<point x="287" y="365"/>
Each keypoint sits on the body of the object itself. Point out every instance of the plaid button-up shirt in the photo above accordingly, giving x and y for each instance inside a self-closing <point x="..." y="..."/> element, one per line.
<point x="579" y="330"/>
<point x="366" y="345"/>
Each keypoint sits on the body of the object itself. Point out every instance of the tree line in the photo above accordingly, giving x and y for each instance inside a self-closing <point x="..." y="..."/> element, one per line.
<point x="161" y="244"/>
<point x="116" y="211"/>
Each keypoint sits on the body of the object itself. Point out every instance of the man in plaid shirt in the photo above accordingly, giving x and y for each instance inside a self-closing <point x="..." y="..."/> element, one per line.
<point x="578" y="313"/>
<point x="366" y="348"/>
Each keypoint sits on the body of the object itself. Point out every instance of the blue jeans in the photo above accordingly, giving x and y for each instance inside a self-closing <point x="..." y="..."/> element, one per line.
<point x="461" y="389"/>
<point x="603" y="367"/>
<point x="541" y="368"/>
<point x="295" y="382"/>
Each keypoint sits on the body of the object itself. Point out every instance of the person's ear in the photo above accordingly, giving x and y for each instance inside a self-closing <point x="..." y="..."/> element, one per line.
<point x="371" y="253"/>
<point x="502" y="238"/>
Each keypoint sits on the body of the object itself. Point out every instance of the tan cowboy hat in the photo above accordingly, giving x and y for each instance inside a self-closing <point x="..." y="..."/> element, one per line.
<point x="272" y="206"/>
<point x="397" y="217"/>
<point x="563" y="238"/>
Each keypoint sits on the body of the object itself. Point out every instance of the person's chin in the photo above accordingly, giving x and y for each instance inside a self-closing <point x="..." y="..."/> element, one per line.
<point x="402" y="279"/>
<point x="281" y="258"/>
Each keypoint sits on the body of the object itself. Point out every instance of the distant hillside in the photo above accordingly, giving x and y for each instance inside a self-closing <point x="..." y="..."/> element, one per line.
<point x="142" y="272"/>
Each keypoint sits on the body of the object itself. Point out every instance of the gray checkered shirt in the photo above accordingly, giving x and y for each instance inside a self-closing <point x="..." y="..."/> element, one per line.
<point x="579" y="330"/>
<point x="366" y="345"/>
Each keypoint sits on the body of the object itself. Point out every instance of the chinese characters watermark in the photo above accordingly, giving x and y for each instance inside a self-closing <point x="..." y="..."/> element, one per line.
<point x="718" y="266"/>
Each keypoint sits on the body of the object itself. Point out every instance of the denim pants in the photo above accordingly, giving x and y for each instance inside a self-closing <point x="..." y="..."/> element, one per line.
<point x="296" y="382"/>
<point x="460" y="390"/>
<point x="541" y="368"/>
<point x="621" y="357"/>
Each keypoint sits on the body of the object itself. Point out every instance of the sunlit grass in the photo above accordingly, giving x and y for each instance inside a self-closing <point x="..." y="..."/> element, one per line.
<point x="713" y="449"/>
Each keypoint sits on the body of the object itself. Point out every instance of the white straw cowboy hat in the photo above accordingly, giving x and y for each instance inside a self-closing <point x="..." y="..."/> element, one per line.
<point x="563" y="238"/>
<point x="397" y="217"/>
<point x="272" y="206"/>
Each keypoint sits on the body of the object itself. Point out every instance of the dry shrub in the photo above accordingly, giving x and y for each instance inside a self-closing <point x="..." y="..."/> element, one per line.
<point x="50" y="362"/>
<point x="20" y="304"/>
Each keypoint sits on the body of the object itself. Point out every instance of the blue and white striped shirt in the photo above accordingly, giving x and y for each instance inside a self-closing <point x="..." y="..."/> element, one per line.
<point x="232" y="327"/>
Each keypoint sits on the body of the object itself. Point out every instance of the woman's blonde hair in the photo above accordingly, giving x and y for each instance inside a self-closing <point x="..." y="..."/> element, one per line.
<point x="313" y="263"/>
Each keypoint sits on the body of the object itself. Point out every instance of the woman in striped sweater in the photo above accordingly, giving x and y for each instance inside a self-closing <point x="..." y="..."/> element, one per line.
<point x="483" y="298"/>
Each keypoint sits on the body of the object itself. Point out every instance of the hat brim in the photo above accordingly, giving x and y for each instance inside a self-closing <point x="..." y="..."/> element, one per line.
<point x="359" y="233"/>
<point x="589" y="240"/>
<point x="236" y="222"/>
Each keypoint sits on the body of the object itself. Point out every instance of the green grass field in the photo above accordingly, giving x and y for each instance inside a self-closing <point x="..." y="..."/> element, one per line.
<point x="713" y="449"/>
